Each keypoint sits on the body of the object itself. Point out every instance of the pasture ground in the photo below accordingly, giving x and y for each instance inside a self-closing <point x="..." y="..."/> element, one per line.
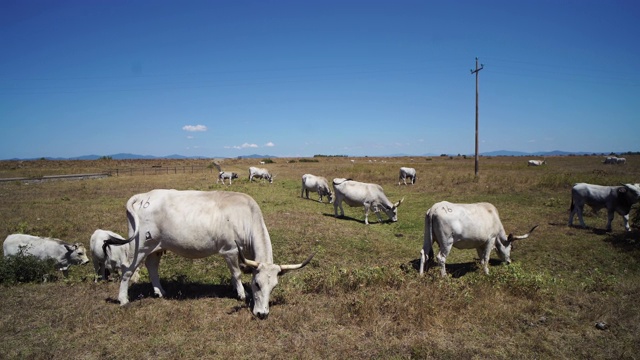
<point x="361" y="296"/>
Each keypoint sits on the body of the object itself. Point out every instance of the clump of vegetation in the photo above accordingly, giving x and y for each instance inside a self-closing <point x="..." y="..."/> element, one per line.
<point x="268" y="161"/>
<point x="25" y="268"/>
<point x="306" y="160"/>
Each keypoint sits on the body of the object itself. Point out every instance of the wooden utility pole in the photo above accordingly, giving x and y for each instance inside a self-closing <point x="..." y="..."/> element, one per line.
<point x="476" y="71"/>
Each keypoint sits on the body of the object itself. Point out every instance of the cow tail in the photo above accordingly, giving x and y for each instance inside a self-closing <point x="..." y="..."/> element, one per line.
<point x="427" y="247"/>
<point x="134" y="220"/>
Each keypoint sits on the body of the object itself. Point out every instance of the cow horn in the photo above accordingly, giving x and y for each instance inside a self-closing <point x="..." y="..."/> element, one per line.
<point x="243" y="260"/>
<point x="399" y="202"/>
<point x="521" y="237"/>
<point x="285" y="268"/>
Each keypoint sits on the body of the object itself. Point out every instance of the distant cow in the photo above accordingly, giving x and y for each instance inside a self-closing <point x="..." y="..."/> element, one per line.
<point x="613" y="160"/>
<point x="115" y="259"/>
<point x="260" y="173"/>
<point x="317" y="184"/>
<point x="407" y="172"/>
<point x="63" y="253"/>
<point x="465" y="226"/>
<point x="614" y="198"/>
<point x="226" y="175"/>
<point x="197" y="224"/>
<point x="356" y="193"/>
<point x="536" y="162"/>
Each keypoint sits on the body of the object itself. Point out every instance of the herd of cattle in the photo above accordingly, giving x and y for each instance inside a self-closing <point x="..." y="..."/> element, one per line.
<point x="197" y="224"/>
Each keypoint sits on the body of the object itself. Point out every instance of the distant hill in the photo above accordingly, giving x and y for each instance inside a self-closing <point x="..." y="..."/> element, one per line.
<point x="128" y="156"/>
<point x="539" y="153"/>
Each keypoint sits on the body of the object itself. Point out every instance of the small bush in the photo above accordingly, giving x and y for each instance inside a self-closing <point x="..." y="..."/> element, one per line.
<point x="24" y="268"/>
<point x="268" y="161"/>
<point x="305" y="160"/>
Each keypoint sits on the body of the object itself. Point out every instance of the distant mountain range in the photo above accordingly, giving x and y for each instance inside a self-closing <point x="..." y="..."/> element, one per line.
<point x="127" y="156"/>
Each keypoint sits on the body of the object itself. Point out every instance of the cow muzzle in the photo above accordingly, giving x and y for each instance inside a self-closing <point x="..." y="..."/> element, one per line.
<point x="262" y="315"/>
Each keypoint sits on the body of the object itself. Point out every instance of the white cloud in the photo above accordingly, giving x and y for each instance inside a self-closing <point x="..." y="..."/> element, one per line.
<point x="243" y="146"/>
<point x="269" y="144"/>
<point x="190" y="137"/>
<point x="194" y="128"/>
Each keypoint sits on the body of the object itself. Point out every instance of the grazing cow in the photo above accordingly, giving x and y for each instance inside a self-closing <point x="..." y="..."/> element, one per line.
<point x="536" y="162"/>
<point x="226" y="175"/>
<point x="260" y="173"/>
<point x="465" y="226"/>
<point x="116" y="258"/>
<point x="613" y="160"/>
<point x="614" y="198"/>
<point x="197" y="224"/>
<point x="356" y="193"/>
<point x="317" y="184"/>
<point x="407" y="172"/>
<point x="63" y="253"/>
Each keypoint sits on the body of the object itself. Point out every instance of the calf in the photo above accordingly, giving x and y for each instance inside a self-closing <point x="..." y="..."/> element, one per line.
<point x="356" y="193"/>
<point x="614" y="198"/>
<point x="116" y="258"/>
<point x="317" y="184"/>
<point x="465" y="226"/>
<point x="63" y="253"/>
<point x="226" y="175"/>
<point x="407" y="172"/>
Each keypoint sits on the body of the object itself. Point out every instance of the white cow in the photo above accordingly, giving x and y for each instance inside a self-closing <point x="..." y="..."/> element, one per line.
<point x="614" y="198"/>
<point x="536" y="162"/>
<point x="407" y="172"/>
<point x="614" y="160"/>
<point x="197" y="224"/>
<point x="115" y="259"/>
<point x="226" y="175"/>
<point x="356" y="193"/>
<point x="465" y="226"/>
<point x="259" y="173"/>
<point x="317" y="184"/>
<point x="63" y="253"/>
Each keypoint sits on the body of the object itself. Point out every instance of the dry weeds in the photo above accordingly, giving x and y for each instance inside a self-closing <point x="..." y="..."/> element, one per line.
<point x="361" y="296"/>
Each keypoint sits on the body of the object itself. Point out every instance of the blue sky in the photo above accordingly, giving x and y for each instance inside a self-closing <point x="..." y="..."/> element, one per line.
<point x="298" y="78"/>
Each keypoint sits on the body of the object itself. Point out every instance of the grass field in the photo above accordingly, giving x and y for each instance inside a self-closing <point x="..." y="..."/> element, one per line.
<point x="361" y="296"/>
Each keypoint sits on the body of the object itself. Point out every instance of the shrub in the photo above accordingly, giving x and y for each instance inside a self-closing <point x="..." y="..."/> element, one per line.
<point x="268" y="161"/>
<point x="23" y="268"/>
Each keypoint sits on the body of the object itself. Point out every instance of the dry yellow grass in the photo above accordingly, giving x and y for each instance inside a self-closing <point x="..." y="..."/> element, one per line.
<point x="361" y="296"/>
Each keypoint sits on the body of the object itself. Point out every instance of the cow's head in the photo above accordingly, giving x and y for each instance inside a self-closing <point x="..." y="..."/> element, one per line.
<point x="234" y="175"/>
<point x="264" y="280"/>
<point x="503" y="248"/>
<point x="77" y="254"/>
<point x="392" y="212"/>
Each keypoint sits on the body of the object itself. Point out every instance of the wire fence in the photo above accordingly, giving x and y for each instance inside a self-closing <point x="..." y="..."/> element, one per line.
<point x="161" y="170"/>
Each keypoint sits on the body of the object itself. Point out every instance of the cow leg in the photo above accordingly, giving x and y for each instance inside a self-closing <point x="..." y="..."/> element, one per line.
<point x="579" y="210"/>
<point x="442" y="258"/>
<point x="234" y="268"/>
<point x="127" y="272"/>
<point x="377" y="211"/>
<point x="99" y="268"/>
<point x="337" y="204"/>
<point x="366" y="213"/>
<point x="153" y="263"/>
<point x="625" y="218"/>
<point x="484" y="253"/>
<point x="610" y="215"/>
